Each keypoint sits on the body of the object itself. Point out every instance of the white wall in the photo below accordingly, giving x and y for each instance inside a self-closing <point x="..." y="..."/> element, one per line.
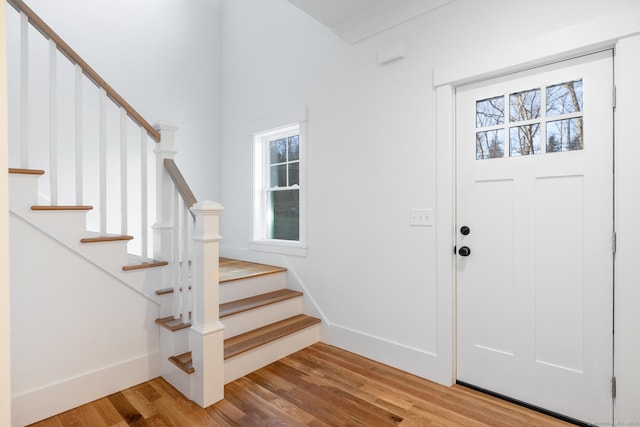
<point x="5" y="365"/>
<point x="163" y="58"/>
<point x="371" y="133"/>
<point x="78" y="334"/>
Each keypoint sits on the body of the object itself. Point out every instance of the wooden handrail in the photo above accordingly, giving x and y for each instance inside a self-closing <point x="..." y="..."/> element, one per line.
<point x="91" y="74"/>
<point x="180" y="183"/>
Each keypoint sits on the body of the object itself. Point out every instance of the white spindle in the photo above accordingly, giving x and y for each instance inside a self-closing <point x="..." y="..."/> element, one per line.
<point x="184" y="266"/>
<point x="53" y="121"/>
<point x="123" y="172"/>
<point x="78" y="134"/>
<point x="143" y="193"/>
<point x="175" y="259"/>
<point x="103" y="162"/>
<point x="24" y="91"/>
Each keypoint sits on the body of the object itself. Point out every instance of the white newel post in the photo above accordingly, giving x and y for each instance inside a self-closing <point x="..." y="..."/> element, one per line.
<point x="207" y="340"/>
<point x="163" y="228"/>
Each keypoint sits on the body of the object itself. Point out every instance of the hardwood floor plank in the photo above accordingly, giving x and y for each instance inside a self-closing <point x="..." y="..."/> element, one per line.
<point x="128" y="412"/>
<point x="108" y="412"/>
<point x="351" y="409"/>
<point x="51" y="422"/>
<point x="272" y="400"/>
<point x="225" y="414"/>
<point x="320" y="386"/>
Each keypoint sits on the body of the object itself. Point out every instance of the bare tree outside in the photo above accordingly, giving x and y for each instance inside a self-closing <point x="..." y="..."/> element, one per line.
<point x="525" y="117"/>
<point x="490" y="144"/>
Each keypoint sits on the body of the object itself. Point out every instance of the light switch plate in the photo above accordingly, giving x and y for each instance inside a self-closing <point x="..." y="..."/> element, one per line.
<point x="421" y="217"/>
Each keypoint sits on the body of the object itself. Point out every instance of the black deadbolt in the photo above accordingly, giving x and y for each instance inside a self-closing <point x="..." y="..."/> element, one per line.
<point x="464" y="230"/>
<point x="464" y="251"/>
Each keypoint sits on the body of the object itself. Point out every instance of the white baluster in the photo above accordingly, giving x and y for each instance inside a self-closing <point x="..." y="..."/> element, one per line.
<point x="24" y="91"/>
<point x="184" y="266"/>
<point x="53" y="121"/>
<point x="78" y="135"/>
<point x="175" y="260"/>
<point x="103" y="162"/>
<point x="143" y="194"/>
<point x="123" y="173"/>
<point x="162" y="229"/>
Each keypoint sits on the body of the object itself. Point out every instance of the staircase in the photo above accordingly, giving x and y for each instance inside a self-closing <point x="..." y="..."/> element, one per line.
<point x="218" y="319"/>
<point x="263" y="321"/>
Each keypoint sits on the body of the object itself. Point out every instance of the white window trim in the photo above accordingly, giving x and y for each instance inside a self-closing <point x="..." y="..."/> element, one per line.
<point x="260" y="130"/>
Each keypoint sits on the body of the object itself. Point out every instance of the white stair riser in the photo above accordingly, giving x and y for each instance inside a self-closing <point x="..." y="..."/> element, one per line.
<point x="109" y="255"/>
<point x="166" y="304"/>
<point x="66" y="226"/>
<point x="253" y="319"/>
<point x="245" y="288"/>
<point x="247" y="362"/>
<point x="23" y="190"/>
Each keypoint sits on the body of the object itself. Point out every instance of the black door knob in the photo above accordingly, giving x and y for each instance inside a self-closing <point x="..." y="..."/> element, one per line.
<point x="464" y="230"/>
<point x="464" y="251"/>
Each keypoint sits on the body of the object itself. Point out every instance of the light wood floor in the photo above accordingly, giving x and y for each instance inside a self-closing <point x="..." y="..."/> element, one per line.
<point x="318" y="386"/>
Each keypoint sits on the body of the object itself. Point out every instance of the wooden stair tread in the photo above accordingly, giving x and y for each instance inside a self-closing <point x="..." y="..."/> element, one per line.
<point x="231" y="269"/>
<point x="61" y="208"/>
<point x="172" y="324"/>
<point x="184" y="362"/>
<point x="93" y="237"/>
<point x="136" y="262"/>
<point x="253" y="339"/>
<point x="23" y="171"/>
<point x="246" y="304"/>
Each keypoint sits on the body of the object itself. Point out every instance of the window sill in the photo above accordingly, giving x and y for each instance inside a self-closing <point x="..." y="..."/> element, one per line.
<point x="279" y="247"/>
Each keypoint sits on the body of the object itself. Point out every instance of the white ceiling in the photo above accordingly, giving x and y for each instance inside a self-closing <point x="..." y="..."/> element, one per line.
<point x="355" y="20"/>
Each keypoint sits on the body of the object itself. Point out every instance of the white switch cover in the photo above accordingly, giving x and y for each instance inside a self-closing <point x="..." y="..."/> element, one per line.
<point x="421" y="217"/>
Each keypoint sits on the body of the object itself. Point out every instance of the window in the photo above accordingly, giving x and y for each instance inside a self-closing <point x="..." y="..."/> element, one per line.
<point x="552" y="114"/>
<point x="278" y="223"/>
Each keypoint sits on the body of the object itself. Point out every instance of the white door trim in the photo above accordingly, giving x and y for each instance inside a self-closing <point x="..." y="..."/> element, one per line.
<point x="586" y="37"/>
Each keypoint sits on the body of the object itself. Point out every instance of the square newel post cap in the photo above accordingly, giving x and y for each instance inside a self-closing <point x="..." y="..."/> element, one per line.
<point x="207" y="207"/>
<point x="167" y="146"/>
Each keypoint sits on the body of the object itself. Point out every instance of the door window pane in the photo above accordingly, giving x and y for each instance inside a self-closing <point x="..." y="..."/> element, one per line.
<point x="490" y="144"/>
<point x="524" y="140"/>
<point x="564" y="98"/>
<point x="564" y="135"/>
<point x="524" y="105"/>
<point x="490" y="112"/>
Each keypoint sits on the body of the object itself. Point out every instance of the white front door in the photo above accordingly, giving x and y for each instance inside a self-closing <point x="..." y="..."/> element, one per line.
<point x="534" y="237"/>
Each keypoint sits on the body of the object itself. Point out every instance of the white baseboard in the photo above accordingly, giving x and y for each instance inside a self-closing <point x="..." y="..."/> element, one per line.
<point x="52" y="399"/>
<point x="415" y="361"/>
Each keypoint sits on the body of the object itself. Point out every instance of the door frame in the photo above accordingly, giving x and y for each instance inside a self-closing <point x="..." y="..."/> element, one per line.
<point x="604" y="32"/>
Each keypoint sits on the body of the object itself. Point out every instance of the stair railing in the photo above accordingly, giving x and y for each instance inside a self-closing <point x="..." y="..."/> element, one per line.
<point x="185" y="233"/>
<point x="132" y="126"/>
